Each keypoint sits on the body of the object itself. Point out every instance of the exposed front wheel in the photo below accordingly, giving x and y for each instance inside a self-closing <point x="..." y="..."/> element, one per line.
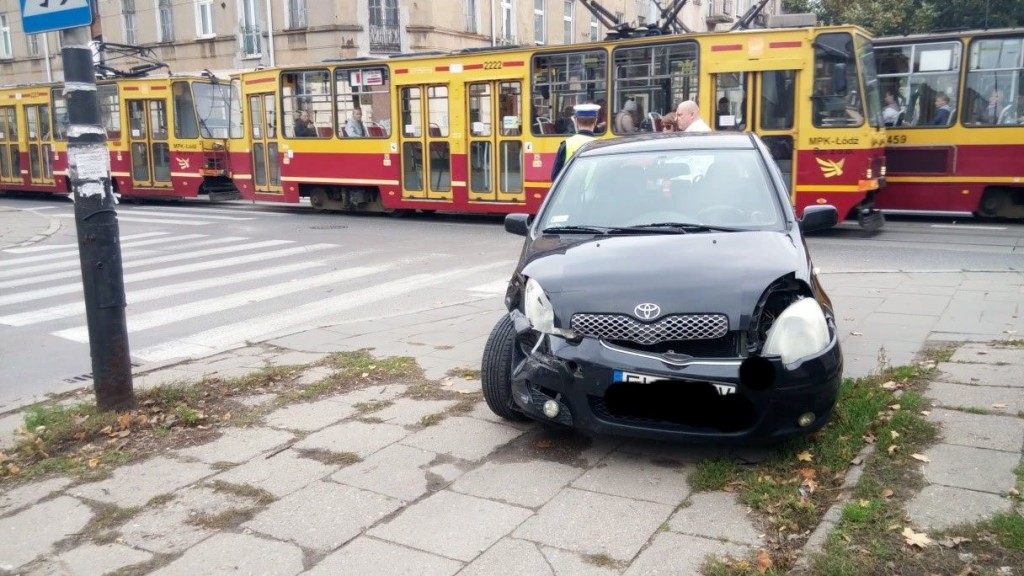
<point x="496" y="371"/>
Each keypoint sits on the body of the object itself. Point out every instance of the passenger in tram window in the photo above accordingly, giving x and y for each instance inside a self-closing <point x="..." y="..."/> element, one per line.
<point x="602" y="116"/>
<point x="304" y="127"/>
<point x="668" y="122"/>
<point x="989" y="114"/>
<point x="943" y="111"/>
<point x="565" y="124"/>
<point x="624" y="121"/>
<point x="354" y="128"/>
<point x="892" y="109"/>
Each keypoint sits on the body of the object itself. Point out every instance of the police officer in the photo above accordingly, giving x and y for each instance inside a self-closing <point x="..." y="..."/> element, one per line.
<point x="586" y="119"/>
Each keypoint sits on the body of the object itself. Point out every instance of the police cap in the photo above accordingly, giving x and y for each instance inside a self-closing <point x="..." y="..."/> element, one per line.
<point x="586" y="110"/>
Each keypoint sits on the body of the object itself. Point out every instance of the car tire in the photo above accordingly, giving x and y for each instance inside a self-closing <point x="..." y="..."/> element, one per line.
<point x="496" y="371"/>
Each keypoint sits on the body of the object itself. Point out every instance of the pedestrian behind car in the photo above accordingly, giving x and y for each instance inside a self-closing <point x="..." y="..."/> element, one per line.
<point x="586" y="119"/>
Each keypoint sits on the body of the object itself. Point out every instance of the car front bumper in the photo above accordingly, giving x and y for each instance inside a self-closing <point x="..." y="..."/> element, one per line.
<point x="603" y="389"/>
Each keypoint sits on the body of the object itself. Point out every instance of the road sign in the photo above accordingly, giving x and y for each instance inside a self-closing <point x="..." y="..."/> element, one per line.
<point x="49" y="15"/>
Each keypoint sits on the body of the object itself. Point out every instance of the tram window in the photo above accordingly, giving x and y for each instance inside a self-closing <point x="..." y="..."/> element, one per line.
<point x="655" y="79"/>
<point x="110" y="110"/>
<point x="237" y="130"/>
<point x="917" y="82"/>
<point x="306" y="106"/>
<point x="561" y="81"/>
<point x="185" y="125"/>
<point x="363" y="102"/>
<point x="994" y="95"/>
<point x="778" y="97"/>
<point x="510" y="112"/>
<point x="836" y="101"/>
<point x="214" y="109"/>
<point x="60" y="115"/>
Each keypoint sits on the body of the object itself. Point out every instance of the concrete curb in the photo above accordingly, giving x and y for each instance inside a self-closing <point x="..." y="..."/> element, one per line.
<point x="53" y="226"/>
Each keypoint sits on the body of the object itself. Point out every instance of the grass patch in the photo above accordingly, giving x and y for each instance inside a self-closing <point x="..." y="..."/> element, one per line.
<point x="258" y="495"/>
<point x="328" y="457"/>
<point x="800" y="479"/>
<point x="107" y="517"/>
<point x="360" y="364"/>
<point x="227" y="519"/>
<point x="1015" y="343"/>
<point x="603" y="561"/>
<point x="372" y="406"/>
<point x="431" y="419"/>
<point x="465" y="373"/>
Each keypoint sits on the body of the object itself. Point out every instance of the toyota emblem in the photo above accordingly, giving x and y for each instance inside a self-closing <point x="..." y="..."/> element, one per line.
<point x="647" y="311"/>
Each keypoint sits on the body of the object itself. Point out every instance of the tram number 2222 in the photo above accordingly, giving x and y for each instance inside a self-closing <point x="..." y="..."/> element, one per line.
<point x="492" y="65"/>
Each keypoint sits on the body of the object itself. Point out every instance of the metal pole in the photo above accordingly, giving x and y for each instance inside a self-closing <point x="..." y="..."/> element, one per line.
<point x="99" y="247"/>
<point x="270" y="33"/>
<point x="46" y="56"/>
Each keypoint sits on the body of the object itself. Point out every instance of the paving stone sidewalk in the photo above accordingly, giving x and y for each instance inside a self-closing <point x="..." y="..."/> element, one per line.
<point x="21" y="227"/>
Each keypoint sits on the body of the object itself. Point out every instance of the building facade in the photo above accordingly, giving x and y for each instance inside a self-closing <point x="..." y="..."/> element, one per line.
<point x="226" y="35"/>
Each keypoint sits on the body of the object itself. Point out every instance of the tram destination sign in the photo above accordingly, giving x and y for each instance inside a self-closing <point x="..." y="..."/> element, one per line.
<point x="50" y="15"/>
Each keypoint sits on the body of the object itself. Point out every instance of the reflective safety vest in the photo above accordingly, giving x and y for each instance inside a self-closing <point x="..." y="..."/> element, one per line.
<point x="573" y="143"/>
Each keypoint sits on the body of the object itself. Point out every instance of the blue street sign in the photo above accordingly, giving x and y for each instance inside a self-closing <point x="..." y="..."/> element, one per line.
<point x="49" y="15"/>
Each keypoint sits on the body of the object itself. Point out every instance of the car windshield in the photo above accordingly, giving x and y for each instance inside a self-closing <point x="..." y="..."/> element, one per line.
<point x="666" y="191"/>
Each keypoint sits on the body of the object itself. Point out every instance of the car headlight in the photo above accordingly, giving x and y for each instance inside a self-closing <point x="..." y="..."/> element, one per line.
<point x="539" y="312"/>
<point x="800" y="331"/>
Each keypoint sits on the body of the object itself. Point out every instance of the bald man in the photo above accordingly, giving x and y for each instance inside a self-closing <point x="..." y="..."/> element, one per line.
<point x="688" y="118"/>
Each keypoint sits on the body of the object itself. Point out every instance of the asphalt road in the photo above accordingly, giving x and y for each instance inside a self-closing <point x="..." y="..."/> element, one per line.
<point x="201" y="277"/>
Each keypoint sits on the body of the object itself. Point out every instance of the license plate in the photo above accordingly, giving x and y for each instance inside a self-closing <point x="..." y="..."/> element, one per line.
<point x="634" y="378"/>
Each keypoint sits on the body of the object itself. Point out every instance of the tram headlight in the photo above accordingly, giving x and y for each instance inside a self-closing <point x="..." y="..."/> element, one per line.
<point x="870" y="174"/>
<point x="538" y="310"/>
<point x="800" y="331"/>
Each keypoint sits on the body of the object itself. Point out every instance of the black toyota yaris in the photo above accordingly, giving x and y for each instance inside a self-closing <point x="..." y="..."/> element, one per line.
<point x="665" y="291"/>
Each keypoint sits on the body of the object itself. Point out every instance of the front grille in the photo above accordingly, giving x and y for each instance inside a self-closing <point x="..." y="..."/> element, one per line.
<point x="621" y="327"/>
<point x="724" y="347"/>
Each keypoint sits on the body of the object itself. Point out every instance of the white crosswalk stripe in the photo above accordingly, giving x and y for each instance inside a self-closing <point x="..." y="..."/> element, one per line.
<point x="122" y="218"/>
<point x="147" y="261"/>
<point x="236" y="334"/>
<point x="191" y="294"/>
<point x="168" y="272"/>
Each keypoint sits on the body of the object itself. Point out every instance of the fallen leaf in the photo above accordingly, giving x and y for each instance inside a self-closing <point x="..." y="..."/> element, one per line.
<point x="887" y="493"/>
<point x="805" y="456"/>
<point x="953" y="542"/>
<point x="94" y="462"/>
<point x="869" y="438"/>
<point x="543" y="444"/>
<point x="893" y="448"/>
<point x="764" y="561"/>
<point x="106" y="430"/>
<point x="920" y="457"/>
<point x="1013" y="491"/>
<point x="894" y="407"/>
<point x="926" y="412"/>
<point x="124" y="420"/>
<point x="365" y="374"/>
<point x="999" y="405"/>
<point x="919" y="539"/>
<point x="856" y="333"/>
<point x="890" y="385"/>
<point x="864" y="503"/>
<point x="80" y="419"/>
<point x="894" y="434"/>
<point x="808" y="473"/>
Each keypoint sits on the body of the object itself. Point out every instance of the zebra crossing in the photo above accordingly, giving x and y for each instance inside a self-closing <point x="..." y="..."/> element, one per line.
<point x="191" y="294"/>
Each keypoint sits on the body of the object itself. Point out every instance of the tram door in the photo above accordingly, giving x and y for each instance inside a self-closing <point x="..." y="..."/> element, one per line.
<point x="10" y="152"/>
<point x="40" y="144"/>
<point x="426" y="153"/>
<point x="495" y="141"/>
<point x="266" y="165"/>
<point x="148" y="146"/>
<point x="763" y="102"/>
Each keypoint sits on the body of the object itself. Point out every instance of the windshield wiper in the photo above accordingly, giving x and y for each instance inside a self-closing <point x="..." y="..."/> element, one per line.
<point x="574" y="230"/>
<point x="680" y="227"/>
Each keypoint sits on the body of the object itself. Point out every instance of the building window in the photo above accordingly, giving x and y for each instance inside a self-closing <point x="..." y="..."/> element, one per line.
<point x="249" y="29"/>
<point x="470" y="11"/>
<point x="32" y="41"/>
<point x="567" y="17"/>
<point x="385" y="34"/>
<point x="508" y="22"/>
<point x="204" y="19"/>
<point x="538" y="21"/>
<point x="6" y="50"/>
<point x="128" y="19"/>
<point x="296" y="14"/>
<point x="165" y="20"/>
<point x="595" y="29"/>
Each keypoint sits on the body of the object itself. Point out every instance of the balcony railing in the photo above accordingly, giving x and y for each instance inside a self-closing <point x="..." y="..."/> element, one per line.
<point x="385" y="39"/>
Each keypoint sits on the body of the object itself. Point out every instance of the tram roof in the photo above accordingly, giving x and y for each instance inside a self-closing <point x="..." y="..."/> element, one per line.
<point x="949" y="35"/>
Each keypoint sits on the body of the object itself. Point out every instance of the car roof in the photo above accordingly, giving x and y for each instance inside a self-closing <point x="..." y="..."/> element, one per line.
<point x="666" y="141"/>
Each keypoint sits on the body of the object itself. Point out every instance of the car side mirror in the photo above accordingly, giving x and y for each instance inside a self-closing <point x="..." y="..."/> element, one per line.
<point x="518" y="223"/>
<point x="818" y="218"/>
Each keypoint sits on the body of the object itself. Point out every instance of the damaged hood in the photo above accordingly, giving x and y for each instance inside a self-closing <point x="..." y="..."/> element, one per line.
<point x="681" y="273"/>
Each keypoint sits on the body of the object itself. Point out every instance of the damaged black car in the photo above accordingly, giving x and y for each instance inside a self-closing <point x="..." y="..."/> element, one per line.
<point x="665" y="291"/>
